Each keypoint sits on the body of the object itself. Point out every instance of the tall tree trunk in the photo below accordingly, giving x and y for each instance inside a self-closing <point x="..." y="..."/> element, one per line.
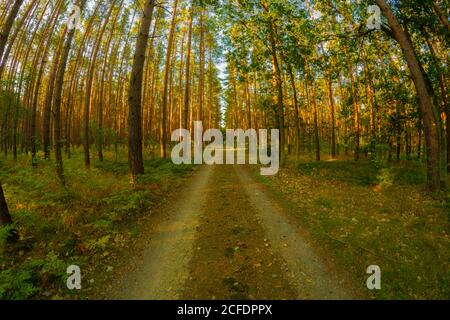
<point x="398" y="136"/>
<point x="419" y="143"/>
<point x="100" y="135"/>
<point x="313" y="101"/>
<point x="201" y="81"/>
<point x="25" y="18"/>
<point x="87" y="98"/>
<point x="278" y="100"/>
<point x="441" y="15"/>
<point x="180" y="81"/>
<point x="297" y="113"/>
<point x="4" y="34"/>
<point x="427" y="110"/>
<point x="33" y="89"/>
<point x="277" y="84"/>
<point x="15" y="121"/>
<point x="47" y="38"/>
<point x="135" y="157"/>
<point x="444" y="97"/>
<point x="247" y="101"/>
<point x="49" y="99"/>
<point x="167" y="69"/>
<point x="372" y="116"/>
<point x="316" y="124"/>
<point x="333" y="117"/>
<point x="58" y="100"/>
<point x="356" y="110"/>
<point x="5" y="217"/>
<point x="188" y="71"/>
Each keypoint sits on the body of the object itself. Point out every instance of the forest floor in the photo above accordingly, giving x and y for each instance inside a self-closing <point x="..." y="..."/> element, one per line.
<point x="88" y="223"/>
<point x="225" y="237"/>
<point x="373" y="213"/>
<point x="309" y="232"/>
<point x="225" y="232"/>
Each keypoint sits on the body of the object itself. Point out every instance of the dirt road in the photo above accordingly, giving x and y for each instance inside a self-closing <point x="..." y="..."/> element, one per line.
<point x="226" y="237"/>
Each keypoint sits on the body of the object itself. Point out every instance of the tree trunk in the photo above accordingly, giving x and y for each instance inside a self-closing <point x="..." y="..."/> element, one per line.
<point x="247" y="101"/>
<point x="297" y="113"/>
<point x="278" y="88"/>
<point x="5" y="217"/>
<point x="49" y="99"/>
<point x="188" y="71"/>
<point x="372" y="116"/>
<point x="444" y="99"/>
<point x="427" y="110"/>
<point x="419" y="144"/>
<point x="135" y="158"/>
<point x="58" y="101"/>
<point x="26" y="17"/>
<point x="201" y="80"/>
<point x="442" y="17"/>
<point x="100" y="135"/>
<point x="167" y="69"/>
<point x="4" y="34"/>
<point x="356" y="110"/>
<point x="76" y="77"/>
<point x="316" y="125"/>
<point x="47" y="38"/>
<point x="87" y="98"/>
<point x="333" y="118"/>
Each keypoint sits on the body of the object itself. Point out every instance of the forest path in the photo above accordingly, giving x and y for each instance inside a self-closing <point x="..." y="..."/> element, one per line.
<point x="226" y="237"/>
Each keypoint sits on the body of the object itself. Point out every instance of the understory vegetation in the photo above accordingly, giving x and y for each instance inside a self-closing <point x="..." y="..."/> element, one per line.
<point x="374" y="213"/>
<point x="84" y="223"/>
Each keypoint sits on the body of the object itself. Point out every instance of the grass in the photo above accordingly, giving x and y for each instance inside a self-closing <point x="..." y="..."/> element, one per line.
<point x="83" y="224"/>
<point x="369" y="213"/>
<point x="367" y="173"/>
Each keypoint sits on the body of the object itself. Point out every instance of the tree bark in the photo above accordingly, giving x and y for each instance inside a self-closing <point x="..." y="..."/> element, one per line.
<point x="46" y="39"/>
<point x="427" y="110"/>
<point x="277" y="85"/>
<point x="5" y="217"/>
<point x="49" y="99"/>
<point x="201" y="80"/>
<point x="58" y="101"/>
<point x="87" y="98"/>
<point x="167" y="69"/>
<point x="444" y="99"/>
<point x="297" y="113"/>
<point x="442" y="17"/>
<point x="135" y="157"/>
<point x="25" y="18"/>
<point x="4" y="34"/>
<point x="333" y="117"/>
<point x="356" y="108"/>
<point x="188" y="71"/>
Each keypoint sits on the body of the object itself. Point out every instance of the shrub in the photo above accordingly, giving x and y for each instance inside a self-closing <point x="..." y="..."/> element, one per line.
<point x="23" y="282"/>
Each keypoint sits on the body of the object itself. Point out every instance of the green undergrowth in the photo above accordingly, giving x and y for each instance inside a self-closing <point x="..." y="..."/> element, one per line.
<point x="365" y="213"/>
<point x="367" y="173"/>
<point x="84" y="223"/>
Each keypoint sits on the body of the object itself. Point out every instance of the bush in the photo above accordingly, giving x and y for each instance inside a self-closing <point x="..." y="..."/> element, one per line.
<point x="385" y="177"/>
<point x="17" y="284"/>
<point x="5" y="233"/>
<point x="357" y="173"/>
<point x="23" y="282"/>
